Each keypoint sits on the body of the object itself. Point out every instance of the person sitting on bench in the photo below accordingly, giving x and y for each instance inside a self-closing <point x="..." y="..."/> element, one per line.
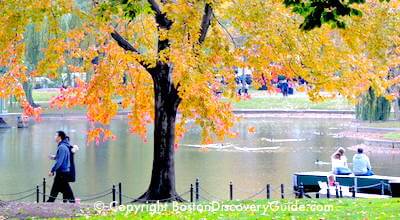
<point x="339" y="166"/>
<point x="361" y="164"/>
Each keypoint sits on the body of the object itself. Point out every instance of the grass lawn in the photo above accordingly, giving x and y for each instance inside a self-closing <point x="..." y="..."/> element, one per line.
<point x="259" y="101"/>
<point x="383" y="124"/>
<point x="43" y="96"/>
<point x="392" y="136"/>
<point x="276" y="102"/>
<point x="262" y="209"/>
<point x="46" y="109"/>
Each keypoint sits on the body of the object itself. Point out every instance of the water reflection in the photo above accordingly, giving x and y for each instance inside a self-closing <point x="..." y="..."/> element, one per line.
<point x="23" y="156"/>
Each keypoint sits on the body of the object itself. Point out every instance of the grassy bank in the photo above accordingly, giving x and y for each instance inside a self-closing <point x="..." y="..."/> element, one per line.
<point x="259" y="101"/>
<point x="381" y="124"/>
<point x="262" y="209"/>
<point x="46" y="109"/>
<point x="43" y="96"/>
<point x="277" y="102"/>
<point x="392" y="136"/>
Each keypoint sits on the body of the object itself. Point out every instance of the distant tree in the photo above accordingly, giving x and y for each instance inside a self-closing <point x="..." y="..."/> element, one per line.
<point x="373" y="108"/>
<point x="319" y="12"/>
<point x="35" y="40"/>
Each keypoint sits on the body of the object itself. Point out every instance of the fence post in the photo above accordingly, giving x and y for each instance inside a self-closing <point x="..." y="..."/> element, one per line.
<point x="191" y="192"/>
<point x="353" y="192"/>
<point x="382" y="188"/>
<point x="197" y="189"/>
<point x="328" y="193"/>
<point x="268" y="191"/>
<point x="44" y="189"/>
<point x="120" y="193"/>
<point x="341" y="192"/>
<point x="37" y="194"/>
<point x="337" y="191"/>
<point x="113" y="195"/>
<point x="301" y="191"/>
<point x="231" y="191"/>
<point x="282" y="191"/>
<point x="355" y="184"/>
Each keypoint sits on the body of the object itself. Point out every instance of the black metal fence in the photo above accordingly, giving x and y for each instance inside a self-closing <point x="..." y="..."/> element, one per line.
<point x="195" y="193"/>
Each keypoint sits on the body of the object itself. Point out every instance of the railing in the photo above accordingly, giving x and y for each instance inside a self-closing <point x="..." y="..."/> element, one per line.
<point x="300" y="193"/>
<point x="195" y="193"/>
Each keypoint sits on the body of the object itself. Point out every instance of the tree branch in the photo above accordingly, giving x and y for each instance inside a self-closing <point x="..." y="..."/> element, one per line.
<point x="127" y="46"/>
<point x="155" y="6"/>
<point x="206" y="21"/>
<point x="161" y="18"/>
<point x="123" y="43"/>
<point x="226" y="30"/>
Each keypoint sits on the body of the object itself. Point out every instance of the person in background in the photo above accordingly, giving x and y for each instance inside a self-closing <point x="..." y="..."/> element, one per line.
<point x="284" y="87"/>
<point x="331" y="180"/>
<point x="343" y="157"/>
<point x="361" y="164"/>
<point x="339" y="165"/>
<point x="246" y="89"/>
<point x="61" y="169"/>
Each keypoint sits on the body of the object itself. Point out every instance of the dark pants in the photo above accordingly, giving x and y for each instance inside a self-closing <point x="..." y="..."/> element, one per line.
<point x="61" y="185"/>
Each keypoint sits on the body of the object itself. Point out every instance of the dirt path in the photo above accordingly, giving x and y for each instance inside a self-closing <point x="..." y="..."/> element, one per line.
<point x="23" y="210"/>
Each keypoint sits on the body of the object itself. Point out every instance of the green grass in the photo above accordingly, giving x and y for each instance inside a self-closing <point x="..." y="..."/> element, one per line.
<point x="43" y="96"/>
<point x="269" y="102"/>
<point x="392" y="136"/>
<point x="276" y="102"/>
<point x="383" y="124"/>
<point x="46" y="109"/>
<point x="277" y="209"/>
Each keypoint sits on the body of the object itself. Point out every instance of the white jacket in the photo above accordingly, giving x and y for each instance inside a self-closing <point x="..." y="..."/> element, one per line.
<point x="339" y="163"/>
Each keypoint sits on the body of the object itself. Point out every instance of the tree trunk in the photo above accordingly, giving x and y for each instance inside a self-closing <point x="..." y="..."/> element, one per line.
<point x="162" y="184"/>
<point x="28" y="93"/>
<point x="396" y="107"/>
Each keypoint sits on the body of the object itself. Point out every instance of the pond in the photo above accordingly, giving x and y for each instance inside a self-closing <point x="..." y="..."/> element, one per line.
<point x="286" y="145"/>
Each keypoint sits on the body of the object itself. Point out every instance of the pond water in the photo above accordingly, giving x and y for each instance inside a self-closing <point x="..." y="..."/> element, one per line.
<point x="288" y="145"/>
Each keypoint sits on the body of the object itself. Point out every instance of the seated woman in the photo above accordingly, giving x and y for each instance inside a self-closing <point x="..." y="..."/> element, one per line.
<point x="343" y="157"/>
<point x="339" y="166"/>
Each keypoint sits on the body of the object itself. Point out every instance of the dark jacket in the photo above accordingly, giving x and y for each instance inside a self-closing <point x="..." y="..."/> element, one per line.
<point x="65" y="157"/>
<point x="72" y="173"/>
<point x="62" y="160"/>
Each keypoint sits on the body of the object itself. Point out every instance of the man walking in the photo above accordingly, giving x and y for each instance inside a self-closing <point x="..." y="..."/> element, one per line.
<point x="61" y="168"/>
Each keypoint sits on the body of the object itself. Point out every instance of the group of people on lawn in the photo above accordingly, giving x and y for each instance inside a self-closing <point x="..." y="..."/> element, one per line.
<point x="361" y="163"/>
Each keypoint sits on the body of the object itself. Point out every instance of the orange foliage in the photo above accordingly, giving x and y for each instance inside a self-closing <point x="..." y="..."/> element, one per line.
<point x="263" y="32"/>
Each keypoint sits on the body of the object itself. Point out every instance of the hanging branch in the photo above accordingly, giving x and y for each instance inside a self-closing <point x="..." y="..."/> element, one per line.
<point x="226" y="30"/>
<point x="206" y="22"/>
<point x="127" y="46"/>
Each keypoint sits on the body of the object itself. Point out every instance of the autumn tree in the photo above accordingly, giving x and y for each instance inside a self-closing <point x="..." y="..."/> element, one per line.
<point x="165" y="57"/>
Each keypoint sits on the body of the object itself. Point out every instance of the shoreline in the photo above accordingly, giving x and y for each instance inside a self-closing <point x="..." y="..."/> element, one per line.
<point x="241" y="112"/>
